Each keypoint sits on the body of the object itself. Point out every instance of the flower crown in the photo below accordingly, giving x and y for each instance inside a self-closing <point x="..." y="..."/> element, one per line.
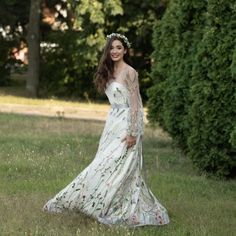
<point x="121" y="36"/>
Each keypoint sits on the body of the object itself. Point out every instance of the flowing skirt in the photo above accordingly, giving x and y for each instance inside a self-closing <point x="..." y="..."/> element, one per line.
<point x="111" y="188"/>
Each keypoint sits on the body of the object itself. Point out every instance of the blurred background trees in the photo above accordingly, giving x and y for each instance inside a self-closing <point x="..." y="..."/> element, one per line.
<point x="79" y="38"/>
<point x="72" y="36"/>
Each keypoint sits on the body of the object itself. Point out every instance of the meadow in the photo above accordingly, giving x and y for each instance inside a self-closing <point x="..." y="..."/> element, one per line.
<point x="41" y="155"/>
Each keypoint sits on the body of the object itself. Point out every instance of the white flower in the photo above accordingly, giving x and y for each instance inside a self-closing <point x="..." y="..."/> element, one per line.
<point x="121" y="36"/>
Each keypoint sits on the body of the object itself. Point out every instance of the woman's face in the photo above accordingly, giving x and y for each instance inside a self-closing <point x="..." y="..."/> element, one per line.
<point x="117" y="51"/>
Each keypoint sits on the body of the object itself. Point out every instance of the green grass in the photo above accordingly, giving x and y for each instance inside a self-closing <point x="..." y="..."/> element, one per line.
<point x="39" y="156"/>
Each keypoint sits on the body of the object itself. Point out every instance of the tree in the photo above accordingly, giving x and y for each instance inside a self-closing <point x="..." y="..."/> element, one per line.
<point x="193" y="96"/>
<point x="33" y="39"/>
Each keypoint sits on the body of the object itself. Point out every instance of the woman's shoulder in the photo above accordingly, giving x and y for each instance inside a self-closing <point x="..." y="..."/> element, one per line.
<point x="131" y="76"/>
<point x="131" y="72"/>
<point x="130" y="69"/>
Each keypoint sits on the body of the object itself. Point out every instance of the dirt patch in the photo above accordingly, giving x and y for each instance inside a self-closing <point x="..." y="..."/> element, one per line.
<point x="55" y="111"/>
<point x="75" y="112"/>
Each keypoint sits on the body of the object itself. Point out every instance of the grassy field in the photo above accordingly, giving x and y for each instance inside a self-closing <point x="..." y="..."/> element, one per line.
<point x="39" y="156"/>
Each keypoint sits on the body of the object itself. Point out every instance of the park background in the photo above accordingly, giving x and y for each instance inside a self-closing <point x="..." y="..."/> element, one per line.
<point x="185" y="54"/>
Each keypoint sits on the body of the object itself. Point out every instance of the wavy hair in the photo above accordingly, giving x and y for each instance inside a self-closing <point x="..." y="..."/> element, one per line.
<point x="105" y="68"/>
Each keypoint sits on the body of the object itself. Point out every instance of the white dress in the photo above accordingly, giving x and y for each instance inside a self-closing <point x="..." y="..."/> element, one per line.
<point x="111" y="188"/>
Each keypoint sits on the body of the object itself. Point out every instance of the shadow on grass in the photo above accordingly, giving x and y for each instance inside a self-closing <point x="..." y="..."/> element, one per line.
<point x="16" y="86"/>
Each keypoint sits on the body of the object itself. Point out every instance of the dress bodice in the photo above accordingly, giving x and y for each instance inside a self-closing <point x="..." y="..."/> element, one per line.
<point x="124" y="93"/>
<point x="117" y="93"/>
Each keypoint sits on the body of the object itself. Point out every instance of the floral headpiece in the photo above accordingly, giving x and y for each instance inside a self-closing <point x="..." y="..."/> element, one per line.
<point x="121" y="36"/>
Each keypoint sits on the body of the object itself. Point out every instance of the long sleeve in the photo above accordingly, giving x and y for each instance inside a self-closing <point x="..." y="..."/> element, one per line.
<point x="135" y="117"/>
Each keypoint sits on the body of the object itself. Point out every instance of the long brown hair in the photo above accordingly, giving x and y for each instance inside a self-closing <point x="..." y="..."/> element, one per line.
<point x="106" y="66"/>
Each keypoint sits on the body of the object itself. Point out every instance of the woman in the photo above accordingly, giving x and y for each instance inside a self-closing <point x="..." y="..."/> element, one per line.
<point x="111" y="189"/>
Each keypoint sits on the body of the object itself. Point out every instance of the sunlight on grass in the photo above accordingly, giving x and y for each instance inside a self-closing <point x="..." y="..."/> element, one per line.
<point x="13" y="100"/>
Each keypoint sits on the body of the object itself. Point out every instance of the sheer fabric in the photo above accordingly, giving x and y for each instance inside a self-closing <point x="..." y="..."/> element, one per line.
<point x="135" y="116"/>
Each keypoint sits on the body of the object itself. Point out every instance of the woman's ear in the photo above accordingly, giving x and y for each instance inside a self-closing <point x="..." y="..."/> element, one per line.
<point x="125" y="51"/>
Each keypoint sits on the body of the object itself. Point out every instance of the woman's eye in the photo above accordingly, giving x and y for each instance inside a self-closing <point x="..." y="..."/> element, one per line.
<point x="119" y="48"/>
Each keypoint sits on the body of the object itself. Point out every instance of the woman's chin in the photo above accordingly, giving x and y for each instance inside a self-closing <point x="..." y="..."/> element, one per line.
<point x="116" y="59"/>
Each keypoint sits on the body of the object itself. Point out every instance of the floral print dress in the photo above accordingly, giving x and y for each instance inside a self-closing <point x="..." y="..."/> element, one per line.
<point x="111" y="188"/>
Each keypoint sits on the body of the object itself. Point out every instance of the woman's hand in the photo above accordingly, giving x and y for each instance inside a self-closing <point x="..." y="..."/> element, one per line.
<point x="130" y="140"/>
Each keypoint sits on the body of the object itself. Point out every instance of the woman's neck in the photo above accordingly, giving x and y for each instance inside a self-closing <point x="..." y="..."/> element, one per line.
<point x="118" y="65"/>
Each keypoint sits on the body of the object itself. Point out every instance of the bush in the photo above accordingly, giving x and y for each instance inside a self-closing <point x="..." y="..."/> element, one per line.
<point x="194" y="75"/>
<point x="4" y="65"/>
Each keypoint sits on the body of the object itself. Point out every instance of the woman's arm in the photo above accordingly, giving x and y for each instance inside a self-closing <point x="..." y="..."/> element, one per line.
<point x="135" y="116"/>
<point x="135" y="102"/>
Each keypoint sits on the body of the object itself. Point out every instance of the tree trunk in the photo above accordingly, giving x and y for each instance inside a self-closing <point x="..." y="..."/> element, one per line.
<point x="34" y="49"/>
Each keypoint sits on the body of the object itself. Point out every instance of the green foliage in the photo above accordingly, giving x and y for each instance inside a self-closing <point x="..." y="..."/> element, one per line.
<point x="194" y="96"/>
<point x="68" y="68"/>
<point x="14" y="13"/>
<point x="233" y="137"/>
<point x="4" y="69"/>
<point x="233" y="72"/>
<point x="13" y="18"/>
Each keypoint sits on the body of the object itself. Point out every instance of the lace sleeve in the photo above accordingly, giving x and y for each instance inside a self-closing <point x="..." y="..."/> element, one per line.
<point x="135" y="116"/>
